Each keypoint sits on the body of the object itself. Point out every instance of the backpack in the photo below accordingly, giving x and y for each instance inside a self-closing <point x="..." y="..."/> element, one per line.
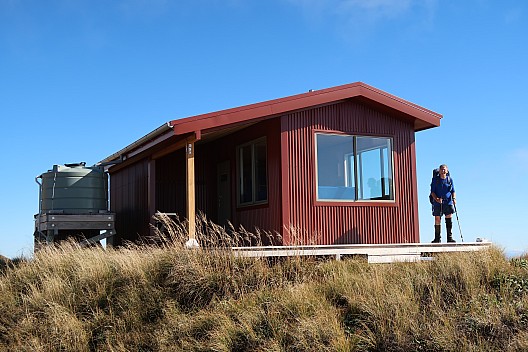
<point x="436" y="178"/>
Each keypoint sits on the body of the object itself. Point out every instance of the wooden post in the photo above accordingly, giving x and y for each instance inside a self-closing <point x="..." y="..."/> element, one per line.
<point x="191" y="200"/>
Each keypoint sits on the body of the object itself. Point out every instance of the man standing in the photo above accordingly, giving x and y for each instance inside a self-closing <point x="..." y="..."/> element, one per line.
<point x="444" y="200"/>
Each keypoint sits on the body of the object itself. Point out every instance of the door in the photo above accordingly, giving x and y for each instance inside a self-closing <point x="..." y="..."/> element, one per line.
<point x="223" y="177"/>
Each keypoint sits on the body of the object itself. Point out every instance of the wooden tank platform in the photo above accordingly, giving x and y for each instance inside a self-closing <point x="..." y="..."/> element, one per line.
<point x="88" y="228"/>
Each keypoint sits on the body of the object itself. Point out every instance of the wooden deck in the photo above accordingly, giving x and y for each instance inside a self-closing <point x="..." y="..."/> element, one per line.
<point x="375" y="253"/>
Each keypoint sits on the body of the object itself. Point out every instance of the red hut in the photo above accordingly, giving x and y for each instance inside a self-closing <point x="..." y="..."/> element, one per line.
<point x="337" y="165"/>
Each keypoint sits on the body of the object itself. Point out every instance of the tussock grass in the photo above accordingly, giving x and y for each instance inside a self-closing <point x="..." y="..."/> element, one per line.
<point x="164" y="297"/>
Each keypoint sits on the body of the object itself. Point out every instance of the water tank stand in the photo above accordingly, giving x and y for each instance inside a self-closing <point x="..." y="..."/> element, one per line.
<point x="52" y="227"/>
<point x="96" y="239"/>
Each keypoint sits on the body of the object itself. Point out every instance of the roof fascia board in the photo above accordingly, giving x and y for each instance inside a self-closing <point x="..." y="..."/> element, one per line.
<point x="392" y="101"/>
<point x="302" y="101"/>
<point x="155" y="151"/>
<point x="157" y="136"/>
<point x="263" y="109"/>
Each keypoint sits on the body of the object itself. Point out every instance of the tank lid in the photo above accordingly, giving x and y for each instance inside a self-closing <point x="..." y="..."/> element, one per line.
<point x="81" y="164"/>
<point x="65" y="167"/>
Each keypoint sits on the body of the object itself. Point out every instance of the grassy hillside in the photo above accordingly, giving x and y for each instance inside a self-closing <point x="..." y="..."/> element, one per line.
<point x="168" y="298"/>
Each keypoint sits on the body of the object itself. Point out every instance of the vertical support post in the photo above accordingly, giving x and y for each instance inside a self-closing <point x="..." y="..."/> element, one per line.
<point x="191" y="200"/>
<point x="50" y="235"/>
<point x="414" y="184"/>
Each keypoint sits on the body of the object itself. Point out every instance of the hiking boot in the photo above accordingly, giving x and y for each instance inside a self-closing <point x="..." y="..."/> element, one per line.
<point x="449" y="228"/>
<point x="437" y="238"/>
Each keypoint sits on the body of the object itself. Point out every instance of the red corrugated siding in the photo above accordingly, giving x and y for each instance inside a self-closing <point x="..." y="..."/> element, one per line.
<point x="170" y="178"/>
<point x="129" y="200"/>
<point x="317" y="223"/>
<point x="365" y="223"/>
<point x="265" y="217"/>
<point x="170" y="184"/>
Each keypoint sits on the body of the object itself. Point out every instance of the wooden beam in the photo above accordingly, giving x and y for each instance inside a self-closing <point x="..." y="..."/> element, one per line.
<point x="191" y="198"/>
<point x="170" y="149"/>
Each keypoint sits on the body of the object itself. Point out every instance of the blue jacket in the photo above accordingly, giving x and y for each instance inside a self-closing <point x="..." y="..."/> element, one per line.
<point x="443" y="188"/>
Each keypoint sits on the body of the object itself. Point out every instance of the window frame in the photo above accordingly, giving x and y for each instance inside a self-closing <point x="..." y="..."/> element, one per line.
<point x="239" y="173"/>
<point x="356" y="201"/>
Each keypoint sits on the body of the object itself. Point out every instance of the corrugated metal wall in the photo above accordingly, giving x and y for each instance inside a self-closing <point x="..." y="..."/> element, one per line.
<point x="129" y="200"/>
<point x="265" y="216"/>
<point x="171" y="190"/>
<point x="337" y="224"/>
<point x="129" y="185"/>
<point x="290" y="146"/>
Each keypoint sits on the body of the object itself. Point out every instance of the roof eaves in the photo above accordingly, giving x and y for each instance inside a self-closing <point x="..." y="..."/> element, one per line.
<point x="405" y="106"/>
<point x="300" y="101"/>
<point x="151" y="137"/>
<point x="424" y="118"/>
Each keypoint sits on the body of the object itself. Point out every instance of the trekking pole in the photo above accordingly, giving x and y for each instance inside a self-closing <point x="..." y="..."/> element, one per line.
<point x="458" y="221"/>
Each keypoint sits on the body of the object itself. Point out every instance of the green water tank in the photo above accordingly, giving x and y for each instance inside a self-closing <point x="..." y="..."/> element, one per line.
<point x="74" y="189"/>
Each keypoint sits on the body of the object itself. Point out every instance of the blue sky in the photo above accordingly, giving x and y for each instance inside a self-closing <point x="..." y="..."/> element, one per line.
<point x="81" y="79"/>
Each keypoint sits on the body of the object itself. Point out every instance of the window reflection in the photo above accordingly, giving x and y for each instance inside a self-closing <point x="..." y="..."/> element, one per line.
<point x="353" y="168"/>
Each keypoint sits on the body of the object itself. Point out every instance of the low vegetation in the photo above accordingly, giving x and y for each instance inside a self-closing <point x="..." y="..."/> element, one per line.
<point x="165" y="297"/>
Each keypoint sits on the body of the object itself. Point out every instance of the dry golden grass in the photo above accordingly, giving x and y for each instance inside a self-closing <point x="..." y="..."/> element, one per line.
<point x="165" y="297"/>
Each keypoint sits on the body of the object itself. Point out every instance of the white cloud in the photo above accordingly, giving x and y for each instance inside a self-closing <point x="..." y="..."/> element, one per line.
<point x="513" y="16"/>
<point x="381" y="8"/>
<point x="360" y="13"/>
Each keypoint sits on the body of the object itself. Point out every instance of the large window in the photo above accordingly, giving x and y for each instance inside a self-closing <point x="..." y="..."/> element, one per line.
<point x="351" y="168"/>
<point x="252" y="185"/>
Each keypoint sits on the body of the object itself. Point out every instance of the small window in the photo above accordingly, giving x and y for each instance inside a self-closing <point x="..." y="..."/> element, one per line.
<point x="252" y="185"/>
<point x="351" y="168"/>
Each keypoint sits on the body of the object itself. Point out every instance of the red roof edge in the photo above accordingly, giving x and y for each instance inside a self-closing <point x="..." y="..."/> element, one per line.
<point x="424" y="118"/>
